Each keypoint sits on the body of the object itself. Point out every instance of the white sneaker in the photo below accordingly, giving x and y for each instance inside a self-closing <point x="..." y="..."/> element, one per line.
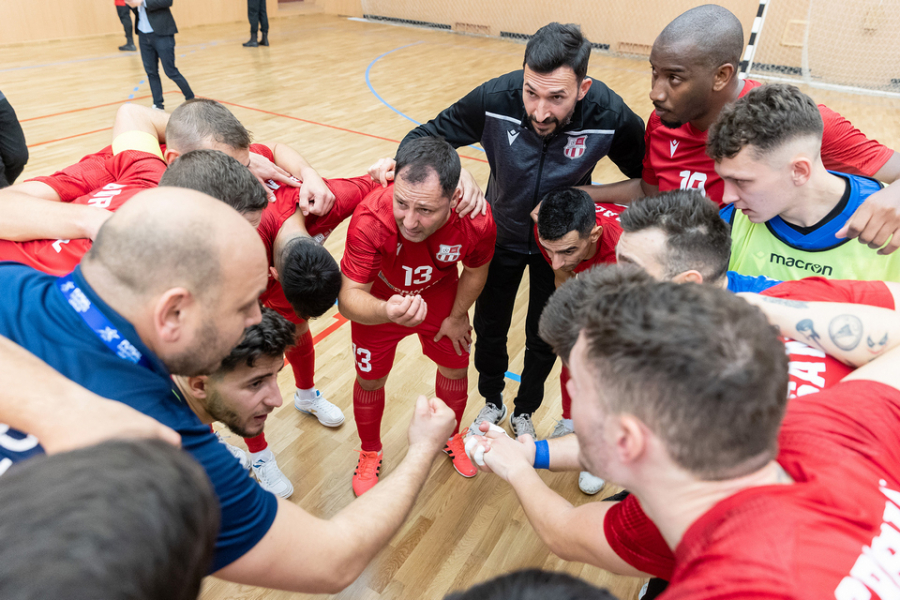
<point x="239" y="454"/>
<point x="589" y="484"/>
<point x="270" y="476"/>
<point x="327" y="413"/>
<point x="489" y="413"/>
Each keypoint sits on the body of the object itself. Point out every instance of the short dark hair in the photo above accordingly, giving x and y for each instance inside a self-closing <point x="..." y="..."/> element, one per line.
<point x="560" y="321"/>
<point x="699" y="366"/>
<point x="565" y="210"/>
<point x="309" y="276"/>
<point x="533" y="584"/>
<point x="122" y="519"/>
<point x="270" y="337"/>
<point x="421" y="156"/>
<point x="713" y="32"/>
<point x="766" y="117"/>
<point x="200" y="120"/>
<point x="696" y="236"/>
<point x="217" y="174"/>
<point x="556" y="45"/>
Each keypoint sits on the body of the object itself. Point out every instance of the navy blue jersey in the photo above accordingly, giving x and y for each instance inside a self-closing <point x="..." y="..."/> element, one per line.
<point x="36" y="315"/>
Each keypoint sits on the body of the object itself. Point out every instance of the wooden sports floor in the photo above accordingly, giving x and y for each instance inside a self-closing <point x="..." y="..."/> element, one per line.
<point x="344" y="93"/>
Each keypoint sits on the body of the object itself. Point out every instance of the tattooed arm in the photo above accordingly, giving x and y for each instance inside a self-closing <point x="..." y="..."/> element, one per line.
<point x="855" y="334"/>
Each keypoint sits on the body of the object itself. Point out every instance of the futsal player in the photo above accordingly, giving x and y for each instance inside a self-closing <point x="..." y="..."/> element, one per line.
<point x="759" y="530"/>
<point x="400" y="277"/>
<point x="575" y="234"/>
<point x="694" y="64"/>
<point x="785" y="209"/>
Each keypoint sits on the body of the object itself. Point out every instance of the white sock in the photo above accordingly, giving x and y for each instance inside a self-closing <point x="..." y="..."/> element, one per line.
<point x="309" y="394"/>
<point x="262" y="454"/>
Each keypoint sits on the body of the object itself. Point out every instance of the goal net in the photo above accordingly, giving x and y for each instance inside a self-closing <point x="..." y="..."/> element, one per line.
<point x="832" y="44"/>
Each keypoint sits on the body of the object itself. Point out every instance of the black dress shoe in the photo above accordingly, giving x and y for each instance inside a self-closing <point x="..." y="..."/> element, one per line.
<point x="251" y="44"/>
<point x="265" y="39"/>
<point x="127" y="48"/>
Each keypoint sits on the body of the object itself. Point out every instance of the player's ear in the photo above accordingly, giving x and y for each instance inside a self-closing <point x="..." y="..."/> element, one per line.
<point x="723" y="75"/>
<point x="198" y="386"/>
<point x="801" y="169"/>
<point x="274" y="273"/>
<point x="170" y="155"/>
<point x="171" y="314"/>
<point x="631" y="439"/>
<point x="584" y="87"/>
<point x="691" y="276"/>
<point x="596" y="232"/>
<point x="455" y="198"/>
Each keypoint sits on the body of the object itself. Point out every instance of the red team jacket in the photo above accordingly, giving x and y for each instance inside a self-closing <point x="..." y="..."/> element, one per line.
<point x="835" y="531"/>
<point x="676" y="158"/>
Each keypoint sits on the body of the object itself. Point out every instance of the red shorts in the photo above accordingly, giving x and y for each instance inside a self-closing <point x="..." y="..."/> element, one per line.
<point x="374" y="346"/>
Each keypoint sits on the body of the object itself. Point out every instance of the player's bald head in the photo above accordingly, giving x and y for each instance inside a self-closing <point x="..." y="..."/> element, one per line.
<point x="171" y="237"/>
<point x="710" y="35"/>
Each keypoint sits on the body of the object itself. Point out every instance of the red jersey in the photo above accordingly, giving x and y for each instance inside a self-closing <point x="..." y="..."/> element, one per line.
<point x="118" y="179"/>
<point x="676" y="158"/>
<point x="608" y="219"/>
<point x="376" y="252"/>
<point x="810" y="369"/>
<point x="348" y="194"/>
<point x="833" y="533"/>
<point x="85" y="176"/>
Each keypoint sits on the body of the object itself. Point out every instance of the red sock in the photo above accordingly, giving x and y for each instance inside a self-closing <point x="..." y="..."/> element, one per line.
<point x="302" y="357"/>
<point x="258" y="443"/>
<point x="566" y="399"/>
<point x="454" y="393"/>
<point x="368" y="408"/>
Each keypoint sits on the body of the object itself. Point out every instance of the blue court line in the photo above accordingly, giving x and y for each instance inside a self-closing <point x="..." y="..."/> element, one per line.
<point x="514" y="377"/>
<point x="385" y="102"/>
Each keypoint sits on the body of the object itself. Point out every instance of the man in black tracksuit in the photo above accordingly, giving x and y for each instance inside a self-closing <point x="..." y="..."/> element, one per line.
<point x="543" y="128"/>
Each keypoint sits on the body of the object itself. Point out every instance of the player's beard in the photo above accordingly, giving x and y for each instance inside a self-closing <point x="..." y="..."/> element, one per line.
<point x="204" y="356"/>
<point x="219" y="410"/>
<point x="547" y="121"/>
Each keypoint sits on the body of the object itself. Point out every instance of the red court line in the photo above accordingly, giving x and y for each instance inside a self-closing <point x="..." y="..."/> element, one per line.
<point x="377" y="137"/>
<point x="340" y="320"/>
<point x="74" y="110"/>
<point x="68" y="137"/>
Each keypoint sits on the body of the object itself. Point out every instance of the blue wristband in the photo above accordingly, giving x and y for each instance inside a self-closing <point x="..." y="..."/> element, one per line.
<point x="541" y="455"/>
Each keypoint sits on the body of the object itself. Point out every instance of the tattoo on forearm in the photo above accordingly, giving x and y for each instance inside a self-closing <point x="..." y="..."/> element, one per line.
<point x="846" y="331"/>
<point x="876" y="347"/>
<point x="783" y="302"/>
<point x="806" y="328"/>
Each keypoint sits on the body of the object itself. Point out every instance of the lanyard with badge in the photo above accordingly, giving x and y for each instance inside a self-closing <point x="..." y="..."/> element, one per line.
<point x="101" y="325"/>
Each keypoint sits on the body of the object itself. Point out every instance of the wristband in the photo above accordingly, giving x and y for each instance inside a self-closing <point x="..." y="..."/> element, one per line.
<point x="541" y="455"/>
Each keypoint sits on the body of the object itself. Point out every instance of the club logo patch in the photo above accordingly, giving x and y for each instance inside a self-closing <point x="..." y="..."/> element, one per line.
<point x="448" y="253"/>
<point x="575" y="147"/>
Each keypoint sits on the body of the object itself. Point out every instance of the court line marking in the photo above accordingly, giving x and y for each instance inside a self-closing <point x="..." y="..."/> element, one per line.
<point x="385" y="102"/>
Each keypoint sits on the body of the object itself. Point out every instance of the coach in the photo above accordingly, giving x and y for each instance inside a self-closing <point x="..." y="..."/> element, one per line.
<point x="156" y="31"/>
<point x="543" y="128"/>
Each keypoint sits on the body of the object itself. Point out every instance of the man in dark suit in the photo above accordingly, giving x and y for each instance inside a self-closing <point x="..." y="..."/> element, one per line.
<point x="256" y="13"/>
<point x="156" y="31"/>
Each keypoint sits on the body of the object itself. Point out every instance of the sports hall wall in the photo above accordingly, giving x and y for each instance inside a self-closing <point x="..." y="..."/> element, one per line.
<point x="841" y="36"/>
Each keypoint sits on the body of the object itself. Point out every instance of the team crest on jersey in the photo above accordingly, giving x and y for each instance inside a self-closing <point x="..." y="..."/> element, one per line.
<point x="448" y="253"/>
<point x="575" y="147"/>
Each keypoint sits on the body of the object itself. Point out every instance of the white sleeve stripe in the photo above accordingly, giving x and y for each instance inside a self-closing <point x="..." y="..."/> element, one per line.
<point x="599" y="131"/>
<point x="504" y="117"/>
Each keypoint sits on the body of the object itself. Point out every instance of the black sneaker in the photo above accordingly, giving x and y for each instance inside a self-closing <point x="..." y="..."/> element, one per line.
<point x="128" y="48"/>
<point x="251" y="44"/>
